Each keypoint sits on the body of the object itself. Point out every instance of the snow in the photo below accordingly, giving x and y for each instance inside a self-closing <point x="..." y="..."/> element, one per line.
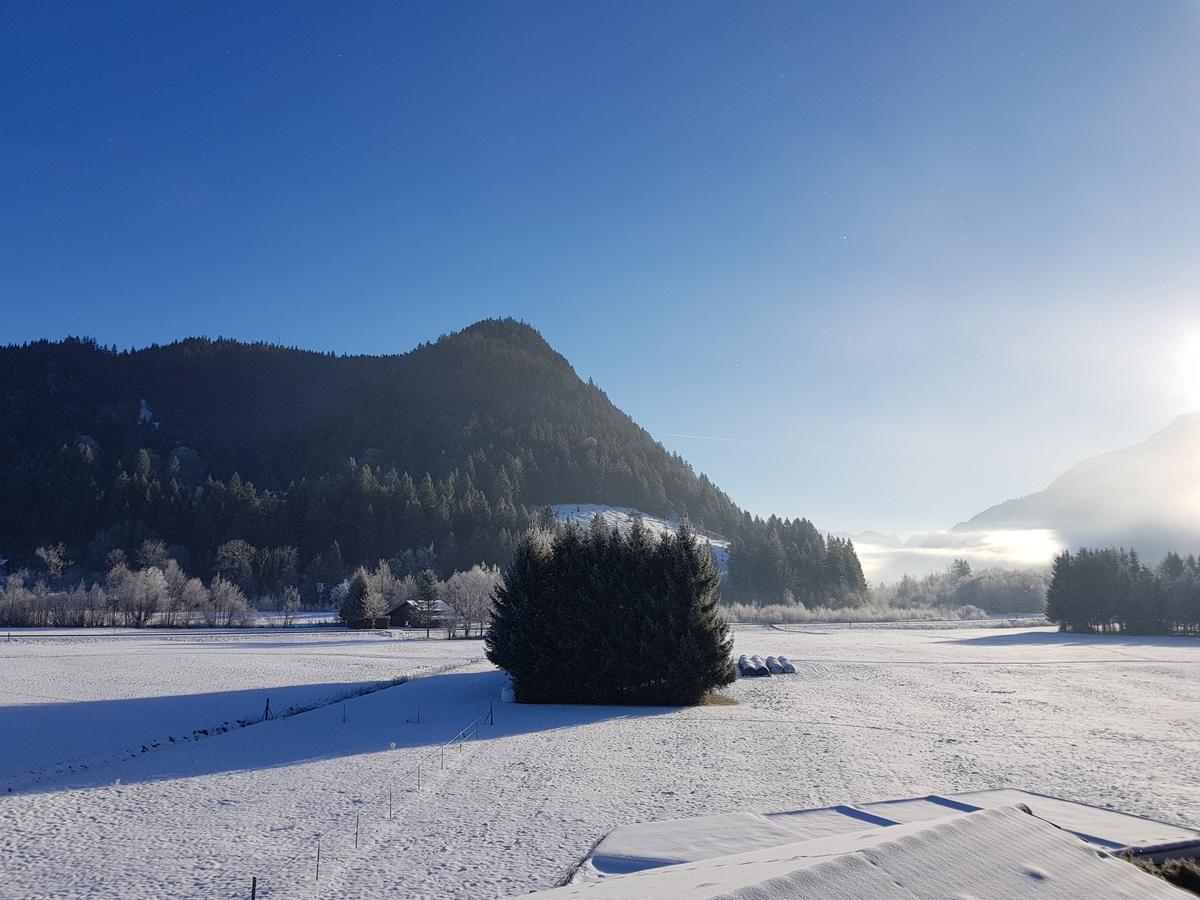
<point x="872" y="713"/>
<point x="998" y="853"/>
<point x="88" y="696"/>
<point x="622" y="517"/>
<point x="646" y="845"/>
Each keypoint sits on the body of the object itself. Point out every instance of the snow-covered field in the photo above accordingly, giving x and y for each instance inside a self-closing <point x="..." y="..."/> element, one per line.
<point x="873" y="713"/>
<point x="73" y="699"/>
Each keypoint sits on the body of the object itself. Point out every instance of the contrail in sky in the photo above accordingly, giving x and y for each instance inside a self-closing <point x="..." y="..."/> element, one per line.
<point x="735" y="440"/>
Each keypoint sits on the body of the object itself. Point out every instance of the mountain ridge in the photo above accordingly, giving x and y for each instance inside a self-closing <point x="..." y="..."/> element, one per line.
<point x="446" y="452"/>
<point x="1146" y="495"/>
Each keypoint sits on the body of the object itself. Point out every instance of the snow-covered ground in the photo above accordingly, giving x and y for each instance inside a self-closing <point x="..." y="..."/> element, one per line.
<point x="622" y="517"/>
<point x="73" y="699"/>
<point x="873" y="713"/>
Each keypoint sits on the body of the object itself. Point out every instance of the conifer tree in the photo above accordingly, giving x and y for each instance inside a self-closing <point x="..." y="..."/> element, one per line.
<point x="598" y="616"/>
<point x="354" y="606"/>
<point x="427" y="598"/>
<point x="1060" y="595"/>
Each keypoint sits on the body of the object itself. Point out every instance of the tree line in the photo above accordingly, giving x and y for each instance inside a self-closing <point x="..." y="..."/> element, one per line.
<point x="1111" y="590"/>
<point x="153" y="589"/>
<point x="991" y="590"/>
<point x="788" y="561"/>
<point x="374" y="592"/>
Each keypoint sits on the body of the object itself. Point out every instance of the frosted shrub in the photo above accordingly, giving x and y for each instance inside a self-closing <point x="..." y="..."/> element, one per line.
<point x="137" y="596"/>
<point x="16" y="603"/>
<point x="21" y="605"/>
<point x="469" y="594"/>
<point x="228" y="603"/>
<point x="778" y="614"/>
<point x="194" y="601"/>
<point x="290" y="606"/>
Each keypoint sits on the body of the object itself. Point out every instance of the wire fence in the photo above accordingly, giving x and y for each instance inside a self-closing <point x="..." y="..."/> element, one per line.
<point x="320" y="858"/>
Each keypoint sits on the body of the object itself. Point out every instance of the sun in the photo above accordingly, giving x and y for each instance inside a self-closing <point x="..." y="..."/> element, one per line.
<point x="1187" y="369"/>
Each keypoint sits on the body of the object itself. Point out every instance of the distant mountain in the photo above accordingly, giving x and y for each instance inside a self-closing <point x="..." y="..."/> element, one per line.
<point x="1146" y="496"/>
<point x="440" y="456"/>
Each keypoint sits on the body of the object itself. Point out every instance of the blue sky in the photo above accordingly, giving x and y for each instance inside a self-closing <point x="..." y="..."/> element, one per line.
<point x="879" y="267"/>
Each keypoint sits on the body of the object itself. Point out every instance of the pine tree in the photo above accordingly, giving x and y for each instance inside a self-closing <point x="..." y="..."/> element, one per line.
<point x="354" y="607"/>
<point x="700" y="653"/>
<point x="504" y="637"/>
<point x="427" y="598"/>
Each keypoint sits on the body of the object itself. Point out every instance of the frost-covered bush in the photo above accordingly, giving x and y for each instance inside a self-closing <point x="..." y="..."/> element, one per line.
<point x="17" y="603"/>
<point x="469" y="594"/>
<point x="778" y="614"/>
<point x="290" y="606"/>
<point x="135" y="595"/>
<point x="128" y="597"/>
<point x="228" y="604"/>
<point x="23" y="604"/>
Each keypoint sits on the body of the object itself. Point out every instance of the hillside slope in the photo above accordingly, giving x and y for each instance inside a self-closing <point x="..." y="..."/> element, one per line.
<point x="1146" y="496"/>
<point x="440" y="456"/>
<point x="491" y="413"/>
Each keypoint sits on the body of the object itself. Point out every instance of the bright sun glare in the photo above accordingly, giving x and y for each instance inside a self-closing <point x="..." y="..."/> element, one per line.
<point x="1187" y="369"/>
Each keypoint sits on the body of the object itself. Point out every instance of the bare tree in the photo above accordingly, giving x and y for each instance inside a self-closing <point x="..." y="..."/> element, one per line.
<point x="228" y="602"/>
<point x="469" y="594"/>
<point x="291" y="604"/>
<point x="152" y="553"/>
<point x="54" y="558"/>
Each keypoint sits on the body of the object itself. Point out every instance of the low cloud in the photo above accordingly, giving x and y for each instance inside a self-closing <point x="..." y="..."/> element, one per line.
<point x="887" y="558"/>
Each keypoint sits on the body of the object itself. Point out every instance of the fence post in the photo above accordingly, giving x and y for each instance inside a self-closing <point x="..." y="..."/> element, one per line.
<point x="318" y="859"/>
<point x="254" y="888"/>
<point x="356" y="831"/>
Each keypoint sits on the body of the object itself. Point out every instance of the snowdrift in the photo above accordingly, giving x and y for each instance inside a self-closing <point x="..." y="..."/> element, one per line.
<point x="995" y="853"/>
<point x="631" y="848"/>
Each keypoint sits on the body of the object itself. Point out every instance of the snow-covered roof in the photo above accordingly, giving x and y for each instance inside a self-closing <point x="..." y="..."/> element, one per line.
<point x="995" y="853"/>
<point x="645" y="845"/>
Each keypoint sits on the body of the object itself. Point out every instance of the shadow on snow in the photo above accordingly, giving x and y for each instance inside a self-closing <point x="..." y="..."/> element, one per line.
<point x="419" y="715"/>
<point x="1072" y="639"/>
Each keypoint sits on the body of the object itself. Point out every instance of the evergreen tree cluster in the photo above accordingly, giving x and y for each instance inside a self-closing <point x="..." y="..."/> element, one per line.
<point x="776" y="560"/>
<point x="992" y="590"/>
<point x="445" y="452"/>
<point x="597" y="616"/>
<point x="1110" y="590"/>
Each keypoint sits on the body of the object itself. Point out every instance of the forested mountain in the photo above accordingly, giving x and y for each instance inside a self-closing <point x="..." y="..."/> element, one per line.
<point x="442" y="455"/>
